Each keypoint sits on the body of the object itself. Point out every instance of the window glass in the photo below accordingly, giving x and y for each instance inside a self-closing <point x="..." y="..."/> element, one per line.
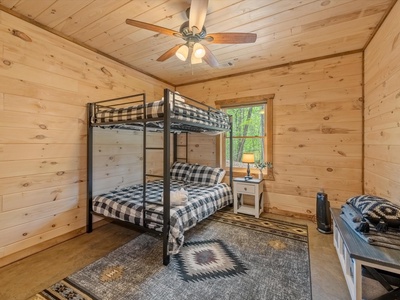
<point x="248" y="133"/>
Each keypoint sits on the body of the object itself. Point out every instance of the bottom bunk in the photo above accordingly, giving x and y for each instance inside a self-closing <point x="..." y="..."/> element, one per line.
<point x="126" y="204"/>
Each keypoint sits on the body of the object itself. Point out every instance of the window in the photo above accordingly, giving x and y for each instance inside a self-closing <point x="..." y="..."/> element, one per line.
<point x="252" y="131"/>
<point x="248" y="133"/>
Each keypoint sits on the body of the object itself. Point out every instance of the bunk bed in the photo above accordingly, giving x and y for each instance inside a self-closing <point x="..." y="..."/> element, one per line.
<point x="148" y="205"/>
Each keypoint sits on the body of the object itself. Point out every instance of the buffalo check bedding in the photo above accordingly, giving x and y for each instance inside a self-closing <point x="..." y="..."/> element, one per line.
<point x="126" y="204"/>
<point x="154" y="110"/>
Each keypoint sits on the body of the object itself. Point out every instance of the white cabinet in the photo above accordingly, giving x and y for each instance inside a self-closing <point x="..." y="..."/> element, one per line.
<point x="251" y="187"/>
<point x="355" y="253"/>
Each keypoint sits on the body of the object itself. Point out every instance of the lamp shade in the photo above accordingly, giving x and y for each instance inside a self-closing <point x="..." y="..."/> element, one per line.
<point x="182" y="52"/>
<point x="198" y="50"/>
<point x="195" y="60"/>
<point x="248" y="158"/>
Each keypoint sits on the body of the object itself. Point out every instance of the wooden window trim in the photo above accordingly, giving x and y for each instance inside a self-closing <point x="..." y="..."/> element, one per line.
<point x="246" y="101"/>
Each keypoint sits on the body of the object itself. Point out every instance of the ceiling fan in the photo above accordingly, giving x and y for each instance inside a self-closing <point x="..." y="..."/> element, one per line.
<point x="193" y="32"/>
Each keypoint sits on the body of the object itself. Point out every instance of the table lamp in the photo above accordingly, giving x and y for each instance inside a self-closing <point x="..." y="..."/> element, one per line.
<point x="249" y="159"/>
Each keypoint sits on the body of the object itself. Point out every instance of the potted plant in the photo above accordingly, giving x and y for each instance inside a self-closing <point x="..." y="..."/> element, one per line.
<point x="261" y="165"/>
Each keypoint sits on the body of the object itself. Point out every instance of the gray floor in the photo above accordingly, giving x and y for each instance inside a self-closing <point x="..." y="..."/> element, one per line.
<point x="28" y="276"/>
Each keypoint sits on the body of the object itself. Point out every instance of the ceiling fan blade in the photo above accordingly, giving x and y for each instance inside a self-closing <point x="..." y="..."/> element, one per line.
<point x="231" y="38"/>
<point x="197" y="15"/>
<point x="210" y="58"/>
<point x="169" y="53"/>
<point x="151" y="27"/>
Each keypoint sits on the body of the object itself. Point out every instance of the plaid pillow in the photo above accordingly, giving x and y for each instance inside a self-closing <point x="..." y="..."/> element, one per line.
<point x="180" y="171"/>
<point x="221" y="175"/>
<point x="375" y="208"/>
<point x="206" y="175"/>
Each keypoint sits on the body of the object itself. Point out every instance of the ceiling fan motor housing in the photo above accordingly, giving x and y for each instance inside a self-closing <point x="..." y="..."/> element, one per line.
<point x="187" y="33"/>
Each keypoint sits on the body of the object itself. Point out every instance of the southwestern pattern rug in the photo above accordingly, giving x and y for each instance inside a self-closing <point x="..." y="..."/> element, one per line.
<point x="227" y="256"/>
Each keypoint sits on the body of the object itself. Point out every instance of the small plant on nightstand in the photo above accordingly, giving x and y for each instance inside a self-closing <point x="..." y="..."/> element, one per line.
<point x="261" y="165"/>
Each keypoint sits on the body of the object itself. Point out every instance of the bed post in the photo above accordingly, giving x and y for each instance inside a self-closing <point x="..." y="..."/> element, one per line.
<point x="167" y="166"/>
<point x="144" y="159"/>
<point x="230" y="152"/>
<point x="89" y="141"/>
<point x="187" y="147"/>
<point x="175" y="147"/>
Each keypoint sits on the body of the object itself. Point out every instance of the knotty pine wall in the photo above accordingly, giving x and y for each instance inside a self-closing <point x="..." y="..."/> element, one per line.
<point x="382" y="110"/>
<point x="44" y="87"/>
<point x="317" y="128"/>
<point x="45" y="84"/>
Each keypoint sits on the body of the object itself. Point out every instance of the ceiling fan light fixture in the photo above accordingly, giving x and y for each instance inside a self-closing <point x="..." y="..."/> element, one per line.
<point x="193" y="32"/>
<point x="198" y="50"/>
<point x="195" y="60"/>
<point x="182" y="52"/>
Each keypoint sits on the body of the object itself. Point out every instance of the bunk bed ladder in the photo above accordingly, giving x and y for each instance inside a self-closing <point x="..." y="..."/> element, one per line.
<point x="177" y="145"/>
<point x="145" y="174"/>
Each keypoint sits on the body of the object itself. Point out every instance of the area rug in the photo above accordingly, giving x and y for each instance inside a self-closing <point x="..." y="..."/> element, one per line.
<point x="226" y="256"/>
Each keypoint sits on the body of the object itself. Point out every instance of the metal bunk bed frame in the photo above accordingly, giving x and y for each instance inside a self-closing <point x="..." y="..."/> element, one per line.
<point x="167" y="121"/>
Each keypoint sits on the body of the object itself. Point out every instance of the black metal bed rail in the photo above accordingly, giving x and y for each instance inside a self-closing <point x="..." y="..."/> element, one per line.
<point x="167" y="177"/>
<point x="213" y="116"/>
<point x="177" y="124"/>
<point x="153" y="175"/>
<point x="155" y="123"/>
<point x="131" y="225"/>
<point x="197" y="127"/>
<point x="208" y="113"/>
<point x="196" y="118"/>
<point x="114" y="102"/>
<point x="89" y="166"/>
<point x="155" y="203"/>
<point x="154" y="222"/>
<point x="117" y="105"/>
<point x="175" y="95"/>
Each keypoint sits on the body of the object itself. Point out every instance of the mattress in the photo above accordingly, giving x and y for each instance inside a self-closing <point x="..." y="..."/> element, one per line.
<point x="126" y="204"/>
<point x="180" y="111"/>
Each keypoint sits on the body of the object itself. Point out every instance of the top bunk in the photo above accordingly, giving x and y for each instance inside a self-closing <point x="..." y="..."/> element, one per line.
<point x="134" y="112"/>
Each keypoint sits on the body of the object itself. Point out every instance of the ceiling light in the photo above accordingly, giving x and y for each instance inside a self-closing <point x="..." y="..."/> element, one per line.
<point x="195" y="60"/>
<point x="182" y="52"/>
<point x="198" y="50"/>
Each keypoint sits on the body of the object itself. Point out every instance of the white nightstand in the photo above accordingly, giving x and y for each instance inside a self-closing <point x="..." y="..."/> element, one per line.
<point x="252" y="187"/>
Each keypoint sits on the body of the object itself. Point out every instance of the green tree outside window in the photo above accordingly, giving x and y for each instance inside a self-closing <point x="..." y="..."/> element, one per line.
<point x="248" y="133"/>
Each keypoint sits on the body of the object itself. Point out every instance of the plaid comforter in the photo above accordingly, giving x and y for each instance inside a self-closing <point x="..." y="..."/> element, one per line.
<point x="179" y="111"/>
<point x="126" y="204"/>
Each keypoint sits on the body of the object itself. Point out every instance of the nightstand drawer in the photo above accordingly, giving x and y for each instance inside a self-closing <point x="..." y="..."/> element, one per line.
<point x="245" y="188"/>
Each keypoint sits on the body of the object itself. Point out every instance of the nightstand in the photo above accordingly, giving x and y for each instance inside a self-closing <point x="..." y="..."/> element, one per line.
<point x="252" y="187"/>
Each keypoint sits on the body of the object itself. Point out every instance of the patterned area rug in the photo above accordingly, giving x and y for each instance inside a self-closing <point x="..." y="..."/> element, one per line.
<point x="201" y="260"/>
<point x="277" y="227"/>
<point x="224" y="257"/>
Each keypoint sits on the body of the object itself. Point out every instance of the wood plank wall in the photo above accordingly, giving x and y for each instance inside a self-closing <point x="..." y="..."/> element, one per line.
<point x="202" y="149"/>
<point x="317" y="130"/>
<point x="382" y="110"/>
<point x="44" y="86"/>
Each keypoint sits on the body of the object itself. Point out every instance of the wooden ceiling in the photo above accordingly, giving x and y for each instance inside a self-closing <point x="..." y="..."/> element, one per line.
<point x="288" y="31"/>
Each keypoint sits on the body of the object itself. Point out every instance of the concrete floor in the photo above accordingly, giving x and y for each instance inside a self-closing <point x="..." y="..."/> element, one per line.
<point x="28" y="276"/>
